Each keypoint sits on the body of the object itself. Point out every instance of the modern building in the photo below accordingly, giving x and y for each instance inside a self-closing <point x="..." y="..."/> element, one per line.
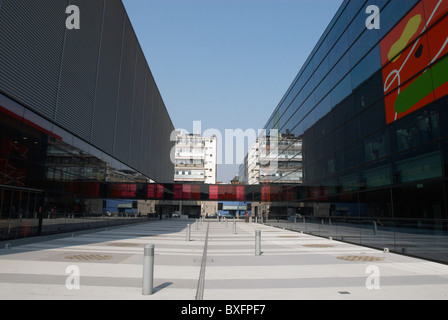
<point x="76" y="106"/>
<point x="368" y="106"/>
<point x="265" y="164"/>
<point x="195" y="162"/>
<point x="281" y="164"/>
<point x="273" y="159"/>
<point x="242" y="171"/>
<point x="253" y="164"/>
<point x="195" y="158"/>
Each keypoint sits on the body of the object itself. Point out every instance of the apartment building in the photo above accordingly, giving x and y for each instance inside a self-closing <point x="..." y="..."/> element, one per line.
<point x="195" y="159"/>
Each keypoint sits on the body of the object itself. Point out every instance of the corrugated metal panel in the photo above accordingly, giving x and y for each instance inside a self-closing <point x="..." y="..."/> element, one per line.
<point x="155" y="124"/>
<point x="103" y="122"/>
<point x="77" y="85"/>
<point x="147" y="126"/>
<point x="165" y="137"/>
<point x="137" y="111"/>
<point x="93" y="82"/>
<point x="159" y="143"/>
<point x="126" y="93"/>
<point x="31" y="42"/>
<point x="168" y="145"/>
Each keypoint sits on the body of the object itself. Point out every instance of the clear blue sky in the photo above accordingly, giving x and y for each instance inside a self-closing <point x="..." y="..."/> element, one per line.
<point x="227" y="63"/>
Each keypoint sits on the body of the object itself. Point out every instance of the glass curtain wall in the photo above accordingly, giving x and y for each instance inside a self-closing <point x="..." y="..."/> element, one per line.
<point x="368" y="107"/>
<point x="44" y="179"/>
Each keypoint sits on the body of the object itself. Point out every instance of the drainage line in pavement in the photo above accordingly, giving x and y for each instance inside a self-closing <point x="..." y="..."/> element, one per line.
<point x="201" y="282"/>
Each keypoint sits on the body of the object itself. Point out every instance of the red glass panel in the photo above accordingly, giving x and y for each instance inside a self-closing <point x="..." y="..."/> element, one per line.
<point x="265" y="193"/>
<point x="177" y="192"/>
<point x="213" y="192"/>
<point x="186" y="192"/>
<point x="195" y="192"/>
<point x="159" y="191"/>
<point x="240" y="193"/>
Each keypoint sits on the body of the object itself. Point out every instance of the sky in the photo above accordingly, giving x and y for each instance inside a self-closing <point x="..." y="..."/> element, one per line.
<point x="227" y="63"/>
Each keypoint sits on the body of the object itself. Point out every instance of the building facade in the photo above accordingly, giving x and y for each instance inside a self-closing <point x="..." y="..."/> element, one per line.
<point x="195" y="162"/>
<point x="195" y="158"/>
<point x="76" y="106"/>
<point x="368" y="106"/>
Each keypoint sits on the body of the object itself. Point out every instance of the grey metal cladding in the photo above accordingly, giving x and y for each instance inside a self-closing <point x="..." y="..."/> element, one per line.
<point x="137" y="110"/>
<point x="74" y="109"/>
<point x="31" y="42"/>
<point x="165" y="137"/>
<point x="103" y="122"/>
<point x="155" y="124"/>
<point x="147" y="127"/>
<point x="168" y="145"/>
<point x="93" y="82"/>
<point x="126" y="94"/>
<point x="159" y="129"/>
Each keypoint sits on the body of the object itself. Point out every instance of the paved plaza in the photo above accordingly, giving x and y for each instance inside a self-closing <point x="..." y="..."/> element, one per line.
<point x="292" y="266"/>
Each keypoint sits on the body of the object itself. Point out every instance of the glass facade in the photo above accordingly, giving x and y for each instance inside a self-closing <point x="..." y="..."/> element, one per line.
<point x="78" y="109"/>
<point x="50" y="181"/>
<point x="369" y="106"/>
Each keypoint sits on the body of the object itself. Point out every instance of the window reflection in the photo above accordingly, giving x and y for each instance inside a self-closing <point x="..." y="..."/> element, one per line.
<point x="425" y="128"/>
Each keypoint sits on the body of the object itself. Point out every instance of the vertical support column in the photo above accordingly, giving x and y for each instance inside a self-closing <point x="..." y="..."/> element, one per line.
<point x="148" y="270"/>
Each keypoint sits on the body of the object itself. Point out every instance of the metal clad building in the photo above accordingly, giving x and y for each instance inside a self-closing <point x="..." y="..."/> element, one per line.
<point x="94" y="82"/>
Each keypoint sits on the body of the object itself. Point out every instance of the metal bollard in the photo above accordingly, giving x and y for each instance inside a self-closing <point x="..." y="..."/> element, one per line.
<point x="188" y="232"/>
<point x="258" y="242"/>
<point x="234" y="227"/>
<point x="148" y="270"/>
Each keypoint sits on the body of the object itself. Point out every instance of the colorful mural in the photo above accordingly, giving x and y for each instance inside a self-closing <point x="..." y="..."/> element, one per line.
<point x="415" y="65"/>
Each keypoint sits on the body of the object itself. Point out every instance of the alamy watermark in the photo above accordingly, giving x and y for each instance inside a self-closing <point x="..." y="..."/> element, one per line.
<point x="73" y="21"/>
<point x="232" y="144"/>
<point x="73" y="280"/>
<point x="373" y="280"/>
<point x="373" y="21"/>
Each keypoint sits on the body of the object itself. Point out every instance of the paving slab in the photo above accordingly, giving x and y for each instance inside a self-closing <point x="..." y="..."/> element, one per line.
<point x="292" y="266"/>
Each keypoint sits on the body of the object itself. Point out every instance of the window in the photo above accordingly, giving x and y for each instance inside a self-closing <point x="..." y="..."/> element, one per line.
<point x="363" y="45"/>
<point x="367" y="67"/>
<point x="342" y="90"/>
<point x="376" y="147"/>
<point x="338" y="50"/>
<point x="340" y="70"/>
<point x="421" y="167"/>
<point x="377" y="177"/>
